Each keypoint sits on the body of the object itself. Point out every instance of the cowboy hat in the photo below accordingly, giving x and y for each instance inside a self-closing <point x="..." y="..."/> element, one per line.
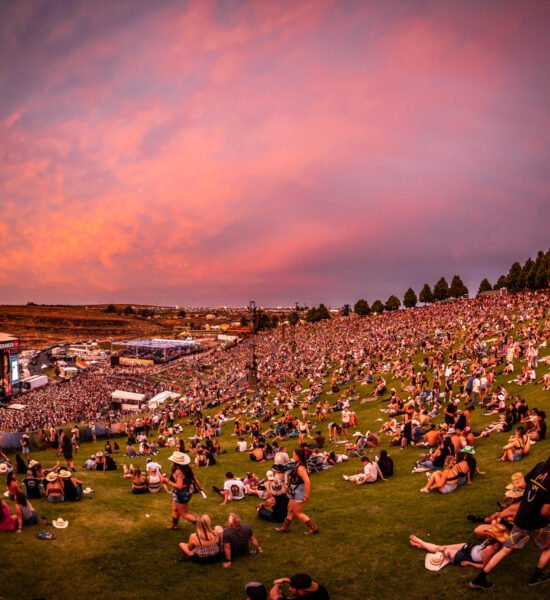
<point x="180" y="458"/>
<point x="514" y="493"/>
<point x="357" y="434"/>
<point x="64" y="474"/>
<point x="3" y="468"/>
<point x="88" y="490"/>
<point x="468" y="450"/>
<point x="435" y="561"/>
<point x="33" y="463"/>
<point x="51" y="476"/>
<point x="99" y="454"/>
<point x="60" y="523"/>
<point x="270" y="476"/>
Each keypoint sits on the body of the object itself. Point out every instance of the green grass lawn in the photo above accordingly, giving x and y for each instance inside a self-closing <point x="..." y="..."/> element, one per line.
<point x="117" y="545"/>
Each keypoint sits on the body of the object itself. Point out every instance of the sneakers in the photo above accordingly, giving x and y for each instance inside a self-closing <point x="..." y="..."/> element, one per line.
<point x="216" y="489"/>
<point x="480" y="582"/>
<point x="538" y="578"/>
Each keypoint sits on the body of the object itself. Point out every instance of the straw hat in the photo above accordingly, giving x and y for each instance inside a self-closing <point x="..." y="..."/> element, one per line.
<point x="88" y="490"/>
<point x="498" y="532"/>
<point x="25" y="436"/>
<point x="99" y="454"/>
<point x="3" y="468"/>
<point x="64" y="474"/>
<point x="33" y="463"/>
<point x="180" y="458"/>
<point x="435" y="561"/>
<point x="51" y="476"/>
<point x="60" y="523"/>
<point x="270" y="476"/>
<point x="514" y="493"/>
<point x="357" y="434"/>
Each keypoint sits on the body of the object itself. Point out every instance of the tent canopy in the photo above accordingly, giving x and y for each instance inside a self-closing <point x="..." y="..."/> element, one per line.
<point x="122" y="395"/>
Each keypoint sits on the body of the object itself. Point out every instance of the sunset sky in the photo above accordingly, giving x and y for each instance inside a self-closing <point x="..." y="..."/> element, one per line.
<point x="210" y="153"/>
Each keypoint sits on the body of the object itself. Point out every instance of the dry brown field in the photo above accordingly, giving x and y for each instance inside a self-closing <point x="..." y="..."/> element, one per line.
<point x="41" y="325"/>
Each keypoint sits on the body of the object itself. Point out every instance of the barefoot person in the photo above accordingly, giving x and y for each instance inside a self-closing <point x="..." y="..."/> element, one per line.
<point x="299" y="490"/>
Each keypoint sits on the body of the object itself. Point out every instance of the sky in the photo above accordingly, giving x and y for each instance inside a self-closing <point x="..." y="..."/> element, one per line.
<point x="211" y="153"/>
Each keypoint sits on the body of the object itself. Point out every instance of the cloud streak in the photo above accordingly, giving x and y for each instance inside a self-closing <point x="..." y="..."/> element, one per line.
<point x="207" y="153"/>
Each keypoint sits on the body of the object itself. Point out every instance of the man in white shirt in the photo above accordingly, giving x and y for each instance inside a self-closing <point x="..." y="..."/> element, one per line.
<point x="371" y="472"/>
<point x="233" y="488"/>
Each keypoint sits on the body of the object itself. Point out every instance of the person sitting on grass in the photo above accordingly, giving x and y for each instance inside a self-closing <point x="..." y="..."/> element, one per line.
<point x="8" y="522"/>
<point x="90" y="463"/>
<point x="236" y="539"/>
<point x="300" y="585"/>
<point x="385" y="462"/>
<point x="233" y="488"/>
<point x="139" y="482"/>
<point x="445" y="481"/>
<point x="204" y="546"/>
<point x="370" y="473"/>
<point x="517" y="447"/>
<point x="26" y="515"/>
<point x="71" y="485"/>
<point x="55" y="490"/>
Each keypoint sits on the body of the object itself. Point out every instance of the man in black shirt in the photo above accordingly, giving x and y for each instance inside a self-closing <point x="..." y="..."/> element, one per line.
<point x="532" y="521"/>
<point x="301" y="586"/>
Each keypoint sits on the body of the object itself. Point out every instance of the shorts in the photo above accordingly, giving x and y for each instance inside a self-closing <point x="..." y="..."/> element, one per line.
<point x="517" y="456"/>
<point x="56" y="499"/>
<point x="298" y="493"/>
<point x="449" y="487"/>
<point x="519" y="537"/>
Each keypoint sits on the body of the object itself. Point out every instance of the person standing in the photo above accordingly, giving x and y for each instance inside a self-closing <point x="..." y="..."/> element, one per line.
<point x="299" y="490"/>
<point x="183" y="482"/>
<point x="532" y="521"/>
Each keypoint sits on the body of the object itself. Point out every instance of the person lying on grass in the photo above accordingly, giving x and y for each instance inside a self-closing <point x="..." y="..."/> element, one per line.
<point x="467" y="555"/>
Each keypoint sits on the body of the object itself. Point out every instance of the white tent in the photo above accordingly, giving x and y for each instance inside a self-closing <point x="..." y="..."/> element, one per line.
<point x="161" y="398"/>
<point x="127" y="396"/>
<point x="127" y="400"/>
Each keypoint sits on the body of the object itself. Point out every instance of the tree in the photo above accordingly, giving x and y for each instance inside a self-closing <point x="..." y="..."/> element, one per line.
<point x="345" y="310"/>
<point x="409" y="299"/>
<point x="378" y="307"/>
<point x="441" y="290"/>
<point x="245" y="322"/>
<point x="111" y="309"/>
<point x="320" y="313"/>
<point x="362" y="308"/>
<point x="426" y="296"/>
<point x="457" y="289"/>
<point x="182" y="314"/>
<point x="393" y="303"/>
<point x="502" y="282"/>
<point x="484" y="286"/>
<point x="129" y="311"/>
<point x="293" y="317"/>
<point x="514" y="276"/>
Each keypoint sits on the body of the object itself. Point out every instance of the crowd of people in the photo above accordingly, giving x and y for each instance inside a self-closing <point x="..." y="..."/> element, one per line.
<point x="442" y="359"/>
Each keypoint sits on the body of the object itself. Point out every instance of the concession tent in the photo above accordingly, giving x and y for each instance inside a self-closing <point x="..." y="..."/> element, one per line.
<point x="161" y="398"/>
<point x="127" y="400"/>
